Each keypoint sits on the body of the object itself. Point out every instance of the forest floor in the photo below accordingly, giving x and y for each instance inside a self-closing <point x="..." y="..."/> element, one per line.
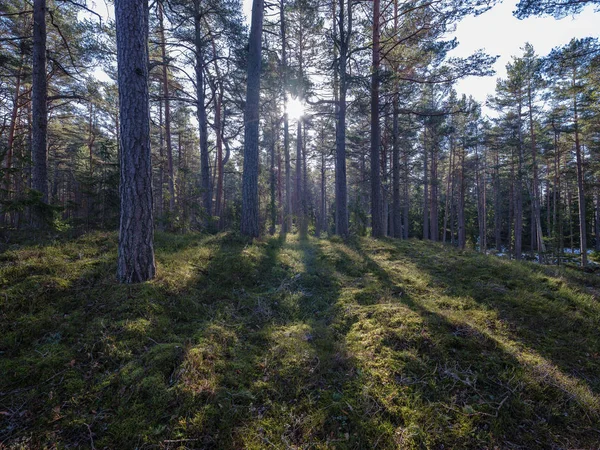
<point x="288" y="343"/>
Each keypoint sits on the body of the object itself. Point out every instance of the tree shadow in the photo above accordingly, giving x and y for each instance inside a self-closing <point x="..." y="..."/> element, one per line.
<point x="283" y="374"/>
<point x="512" y="393"/>
<point x="286" y="343"/>
<point x="544" y="308"/>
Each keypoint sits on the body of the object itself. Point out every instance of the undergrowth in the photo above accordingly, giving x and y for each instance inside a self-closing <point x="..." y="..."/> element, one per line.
<point x="288" y="343"/>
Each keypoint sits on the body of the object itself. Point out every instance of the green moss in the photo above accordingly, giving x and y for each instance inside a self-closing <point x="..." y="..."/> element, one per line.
<point x="295" y="343"/>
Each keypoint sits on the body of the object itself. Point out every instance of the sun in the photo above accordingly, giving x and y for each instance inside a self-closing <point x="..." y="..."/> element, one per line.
<point x="295" y="108"/>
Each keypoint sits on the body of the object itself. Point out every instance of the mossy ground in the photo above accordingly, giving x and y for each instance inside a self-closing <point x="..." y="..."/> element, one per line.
<point x="286" y="343"/>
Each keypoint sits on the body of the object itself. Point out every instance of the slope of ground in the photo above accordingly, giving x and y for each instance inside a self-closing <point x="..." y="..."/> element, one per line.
<point x="295" y="344"/>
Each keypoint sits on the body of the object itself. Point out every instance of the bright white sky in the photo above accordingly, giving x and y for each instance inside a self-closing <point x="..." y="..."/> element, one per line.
<point x="498" y="32"/>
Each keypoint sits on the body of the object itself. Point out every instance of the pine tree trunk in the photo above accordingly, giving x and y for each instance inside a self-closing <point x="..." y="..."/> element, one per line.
<point x="272" y="205"/>
<point x="161" y="169"/>
<point x="136" y="231"/>
<point x="449" y="189"/>
<point x="341" y="188"/>
<point x="205" y="180"/>
<point x="597" y="218"/>
<point x="12" y="127"/>
<point x="323" y="222"/>
<point x="376" y="213"/>
<point x="300" y="220"/>
<point x="497" y="212"/>
<point x="461" y="203"/>
<point x="405" y="196"/>
<point x="537" y="236"/>
<point x="425" y="187"/>
<point x="287" y="208"/>
<point x="220" y="166"/>
<point x="250" y="220"/>
<point x="518" y="249"/>
<point x="39" y="97"/>
<point x="167" y="104"/>
<point x="396" y="213"/>
<point x="433" y="205"/>
<point x="580" y="188"/>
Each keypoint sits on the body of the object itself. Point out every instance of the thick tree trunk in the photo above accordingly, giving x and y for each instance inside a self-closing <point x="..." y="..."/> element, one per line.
<point x="250" y="219"/>
<point x="39" y="97"/>
<point x="136" y="231"/>
<point x="376" y="213"/>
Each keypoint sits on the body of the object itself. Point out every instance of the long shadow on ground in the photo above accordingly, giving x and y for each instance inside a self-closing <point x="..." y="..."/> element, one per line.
<point x="515" y="389"/>
<point x="289" y="343"/>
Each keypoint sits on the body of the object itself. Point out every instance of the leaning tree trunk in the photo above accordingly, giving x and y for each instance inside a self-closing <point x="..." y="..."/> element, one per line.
<point x="250" y="223"/>
<point x="136" y="231"/>
<point x="39" y="97"/>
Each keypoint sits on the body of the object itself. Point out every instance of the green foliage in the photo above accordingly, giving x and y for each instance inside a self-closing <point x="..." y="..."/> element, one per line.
<point x="295" y="343"/>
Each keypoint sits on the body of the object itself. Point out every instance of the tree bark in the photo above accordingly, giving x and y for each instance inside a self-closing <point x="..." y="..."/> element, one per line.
<point x="376" y="213"/>
<point x="396" y="213"/>
<point x="537" y="236"/>
<point x="341" y="188"/>
<point x="250" y="220"/>
<point x="462" y="235"/>
<point x="287" y="208"/>
<point x="136" y="230"/>
<point x="518" y="249"/>
<point x="425" y="186"/>
<point x="167" y="105"/>
<point x="39" y="97"/>
<point x="12" y="127"/>
<point x="205" y="182"/>
<point x="272" y="181"/>
<point x="580" y="185"/>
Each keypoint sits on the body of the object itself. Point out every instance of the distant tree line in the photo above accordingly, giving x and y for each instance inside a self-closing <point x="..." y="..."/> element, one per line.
<point x="192" y="129"/>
